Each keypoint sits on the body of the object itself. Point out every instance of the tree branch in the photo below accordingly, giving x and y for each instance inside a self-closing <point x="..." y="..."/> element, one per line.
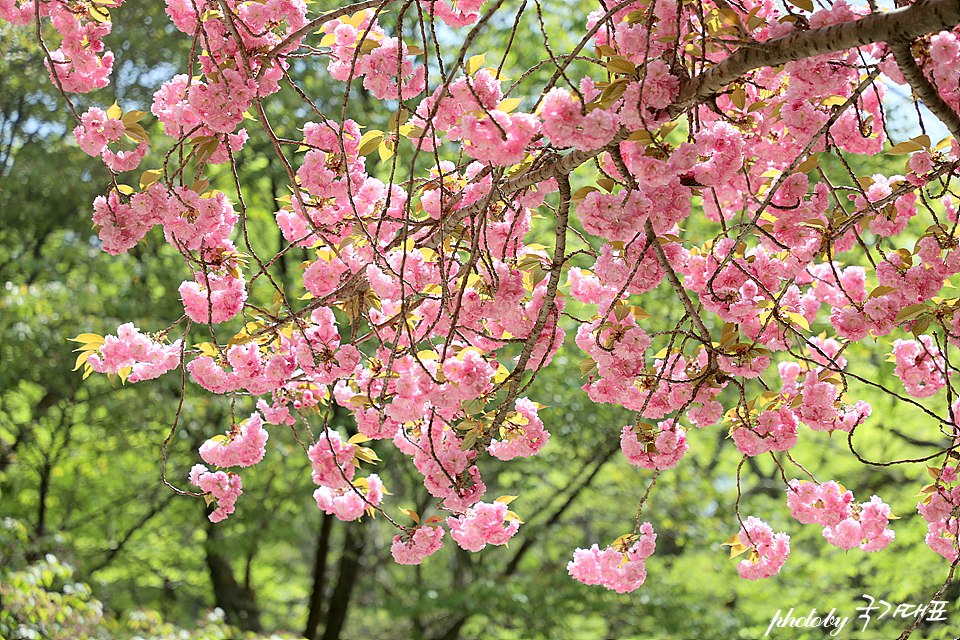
<point x="926" y="16"/>
<point x="922" y="87"/>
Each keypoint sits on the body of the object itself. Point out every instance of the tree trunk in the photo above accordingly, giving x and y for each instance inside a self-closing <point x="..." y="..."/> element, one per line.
<point x="349" y="567"/>
<point x="238" y="604"/>
<point x="319" y="570"/>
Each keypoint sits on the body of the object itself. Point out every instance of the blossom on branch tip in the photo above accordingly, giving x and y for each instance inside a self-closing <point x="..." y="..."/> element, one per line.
<point x="620" y="567"/>
<point x="412" y="548"/>
<point x="223" y="486"/>
<point x="348" y="502"/>
<point x="483" y="524"/>
<point x="660" y="447"/>
<point x="243" y="446"/>
<point x="768" y="551"/>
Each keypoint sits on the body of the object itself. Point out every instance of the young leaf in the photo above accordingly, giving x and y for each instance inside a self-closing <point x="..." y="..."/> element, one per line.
<point x="370" y="142"/>
<point x="509" y="104"/>
<point x="914" y="144"/>
<point x="114" y="111"/>
<point x="475" y="63"/>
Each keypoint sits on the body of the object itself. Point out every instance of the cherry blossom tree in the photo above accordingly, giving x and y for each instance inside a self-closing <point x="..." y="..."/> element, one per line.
<point x="688" y="146"/>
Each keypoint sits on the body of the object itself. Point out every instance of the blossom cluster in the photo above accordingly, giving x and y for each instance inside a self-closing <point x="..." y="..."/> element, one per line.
<point x="359" y="48"/>
<point x="223" y="487"/>
<point x="243" y="446"/>
<point x="426" y="304"/>
<point x="920" y="366"/>
<point x="130" y="349"/>
<point x="660" y="447"/>
<point x="845" y="524"/>
<point x="413" y="547"/>
<point x="349" y="503"/>
<point x="483" y="524"/>
<point x="620" y="567"/>
<point x="939" y="510"/>
<point x="768" y="551"/>
<point x="334" y="463"/>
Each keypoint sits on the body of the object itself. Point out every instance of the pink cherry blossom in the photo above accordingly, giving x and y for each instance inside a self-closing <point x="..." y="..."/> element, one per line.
<point x="483" y="524"/>
<point x="621" y="568"/>
<point x="243" y="446"/>
<point x="769" y="550"/>
<point x="412" y="548"/>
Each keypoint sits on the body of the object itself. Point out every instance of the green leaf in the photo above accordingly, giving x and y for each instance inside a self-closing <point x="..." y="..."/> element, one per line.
<point x="910" y="311"/>
<point x="386" y="151"/>
<point x="509" y="104"/>
<point x="882" y="290"/>
<point x="613" y="92"/>
<point x="469" y="440"/>
<point x="88" y="339"/>
<point x="921" y="326"/>
<point x="472" y="406"/>
<point x="136" y="133"/>
<point x="799" y="320"/>
<point x="582" y="193"/>
<point x="809" y="164"/>
<point x="607" y="184"/>
<point x="131" y="117"/>
<point x="587" y="367"/>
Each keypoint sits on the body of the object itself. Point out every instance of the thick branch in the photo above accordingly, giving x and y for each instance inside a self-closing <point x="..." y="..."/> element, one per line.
<point x="922" y="87"/>
<point x="547" y="307"/>
<point x="926" y="16"/>
<point x="562" y="167"/>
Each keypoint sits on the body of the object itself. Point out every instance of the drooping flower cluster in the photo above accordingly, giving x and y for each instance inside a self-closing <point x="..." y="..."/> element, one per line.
<point x="243" y="446"/>
<point x="80" y="64"/>
<point x="768" y="551"/>
<point x="212" y="298"/>
<point x="143" y="357"/>
<point x="413" y="547"/>
<point x="348" y="503"/>
<point x="359" y="48"/>
<point x="845" y="524"/>
<point x="659" y="447"/>
<point x="522" y="435"/>
<point x="483" y="524"/>
<point x="222" y="486"/>
<point x="334" y="464"/>
<point x="940" y="510"/>
<point x="920" y="366"/>
<point x="332" y="460"/>
<point x="620" y="567"/>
